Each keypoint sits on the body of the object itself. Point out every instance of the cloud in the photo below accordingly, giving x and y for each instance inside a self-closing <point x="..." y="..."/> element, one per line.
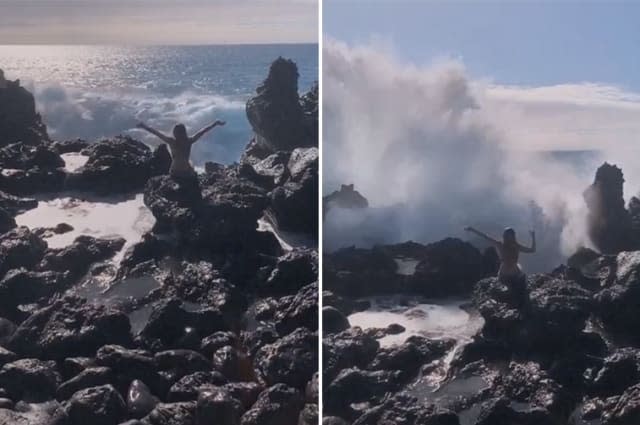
<point x="435" y="150"/>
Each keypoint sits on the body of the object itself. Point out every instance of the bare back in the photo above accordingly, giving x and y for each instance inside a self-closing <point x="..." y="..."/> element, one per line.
<point x="509" y="254"/>
<point x="180" y="153"/>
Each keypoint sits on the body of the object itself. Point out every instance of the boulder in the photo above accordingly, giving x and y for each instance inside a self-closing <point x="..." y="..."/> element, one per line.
<point x="101" y="405"/>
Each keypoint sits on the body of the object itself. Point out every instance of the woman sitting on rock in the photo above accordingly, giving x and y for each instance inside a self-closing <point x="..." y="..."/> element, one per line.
<point x="508" y="250"/>
<point x="180" y="146"/>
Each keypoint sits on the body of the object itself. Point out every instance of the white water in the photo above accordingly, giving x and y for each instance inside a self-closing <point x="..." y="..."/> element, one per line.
<point x="406" y="266"/>
<point x="287" y="240"/>
<point x="436" y="320"/>
<point x="73" y="161"/>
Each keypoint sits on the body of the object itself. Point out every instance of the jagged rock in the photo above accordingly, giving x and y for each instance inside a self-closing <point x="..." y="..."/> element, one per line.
<point x="291" y="360"/>
<point x="293" y="270"/>
<point x="619" y="371"/>
<point x="275" y="113"/>
<point x="32" y="181"/>
<point x="300" y="311"/>
<point x="20" y="248"/>
<point x="69" y="146"/>
<point x="277" y="405"/>
<point x="181" y="362"/>
<point x="350" y="348"/>
<point x="608" y="222"/>
<point x="140" y="401"/>
<point x="15" y="205"/>
<point x="20" y="286"/>
<point x="48" y="413"/>
<point x="172" y="414"/>
<point x="308" y="415"/>
<point x="78" y="257"/>
<point x="70" y="327"/>
<point x="101" y="405"/>
<point x="346" y="197"/>
<point x="213" y="342"/>
<point x="30" y="379"/>
<point x="24" y="157"/>
<point x="118" y="165"/>
<point x="216" y="405"/>
<point x="188" y="386"/>
<point x="406" y="410"/>
<point x="233" y="364"/>
<point x="19" y="121"/>
<point x="90" y="377"/>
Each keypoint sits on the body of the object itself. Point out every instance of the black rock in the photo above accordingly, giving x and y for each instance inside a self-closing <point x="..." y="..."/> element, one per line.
<point x="90" y="377"/>
<point x="333" y="321"/>
<point x="216" y="405"/>
<point x="140" y="401"/>
<point x="277" y="405"/>
<point x="30" y="379"/>
<point x="101" y="405"/>
<point x="187" y="387"/>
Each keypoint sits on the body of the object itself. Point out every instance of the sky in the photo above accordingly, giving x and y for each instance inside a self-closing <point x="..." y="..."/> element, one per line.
<point x="158" y="21"/>
<point x="553" y="74"/>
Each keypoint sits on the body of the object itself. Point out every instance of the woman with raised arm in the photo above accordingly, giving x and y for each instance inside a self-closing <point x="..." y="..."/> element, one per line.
<point x="508" y="250"/>
<point x="180" y="146"/>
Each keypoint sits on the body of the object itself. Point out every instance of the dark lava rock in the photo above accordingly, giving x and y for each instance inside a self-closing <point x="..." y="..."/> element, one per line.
<point x="619" y="371"/>
<point x="78" y="257"/>
<point x="19" y="121"/>
<point x="246" y="392"/>
<point x="20" y="286"/>
<point x="291" y="360"/>
<point x="277" y="405"/>
<point x="608" y="222"/>
<point x="233" y="364"/>
<point x="118" y="165"/>
<point x="30" y="379"/>
<point x="7" y="356"/>
<point x="181" y="362"/>
<point x="300" y="311"/>
<point x="410" y="356"/>
<point x="101" y="405"/>
<point x="309" y="415"/>
<point x="140" y="401"/>
<point x="275" y="113"/>
<point x="6" y="221"/>
<point x="188" y="386"/>
<point x="183" y="413"/>
<point x="357" y="386"/>
<point x="70" y="327"/>
<point x="216" y="405"/>
<point x="333" y="321"/>
<point x="350" y="348"/>
<point x="48" y="413"/>
<point x="293" y="270"/>
<point x="213" y="342"/>
<point x="24" y="157"/>
<point x="346" y="197"/>
<point x="34" y="180"/>
<point x="406" y="410"/>
<point x="20" y="248"/>
<point x="90" y="377"/>
<point x="501" y="411"/>
<point x="15" y="205"/>
<point x="69" y="146"/>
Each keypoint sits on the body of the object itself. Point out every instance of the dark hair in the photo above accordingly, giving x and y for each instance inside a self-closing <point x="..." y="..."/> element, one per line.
<point x="179" y="131"/>
<point x="509" y="233"/>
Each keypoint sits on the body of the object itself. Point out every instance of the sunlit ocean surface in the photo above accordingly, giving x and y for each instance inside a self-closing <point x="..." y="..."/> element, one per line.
<point x="101" y="91"/>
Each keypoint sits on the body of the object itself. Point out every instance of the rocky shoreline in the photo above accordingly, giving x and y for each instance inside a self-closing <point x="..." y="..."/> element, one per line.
<point x="204" y="319"/>
<point x="563" y="350"/>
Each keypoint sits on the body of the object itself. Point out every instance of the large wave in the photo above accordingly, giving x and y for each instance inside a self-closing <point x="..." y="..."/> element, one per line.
<point x="433" y="151"/>
<point x="71" y="113"/>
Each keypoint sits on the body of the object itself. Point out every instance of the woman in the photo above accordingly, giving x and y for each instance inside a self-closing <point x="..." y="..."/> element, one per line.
<point x="180" y="146"/>
<point x="508" y="251"/>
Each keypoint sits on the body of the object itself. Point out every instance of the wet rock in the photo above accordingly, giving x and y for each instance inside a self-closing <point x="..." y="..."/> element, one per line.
<point x="70" y="327"/>
<point x="500" y="411"/>
<point x="169" y="319"/>
<point x="7" y="356"/>
<point x="312" y="390"/>
<point x="258" y="338"/>
<point x="350" y="348"/>
<point x="291" y="360"/>
<point x="246" y="392"/>
<point x="355" y="386"/>
<point x="233" y="364"/>
<point x="625" y="410"/>
<point x="293" y="270"/>
<point x="277" y="405"/>
<point x="19" y="121"/>
<point x="213" y="342"/>
<point x="188" y="386"/>
<point x="118" y="165"/>
<point x="90" y="377"/>
<point x="275" y="113"/>
<point x="216" y="405"/>
<point x="30" y="379"/>
<point x="77" y="257"/>
<point x="72" y="366"/>
<point x="58" y="229"/>
<point x="608" y="222"/>
<point x="69" y="146"/>
<point x="20" y="248"/>
<point x="129" y="364"/>
<point x="6" y="221"/>
<point x="15" y="205"/>
<point x="24" y="157"/>
<point x="20" y="286"/>
<point x="268" y="172"/>
<point x="333" y="420"/>
<point x="48" y="413"/>
<point x="140" y="401"/>
<point x="333" y="321"/>
<point x="405" y="409"/>
<point x="101" y="405"/>
<point x="300" y="311"/>
<point x="346" y="197"/>
<point x="6" y="403"/>
<point x="619" y="371"/>
<point x="408" y="357"/>
<point x="172" y="414"/>
<point x="181" y="362"/>
<point x="31" y="181"/>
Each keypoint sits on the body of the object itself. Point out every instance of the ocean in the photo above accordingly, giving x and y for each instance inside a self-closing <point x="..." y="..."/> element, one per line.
<point x="93" y="92"/>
